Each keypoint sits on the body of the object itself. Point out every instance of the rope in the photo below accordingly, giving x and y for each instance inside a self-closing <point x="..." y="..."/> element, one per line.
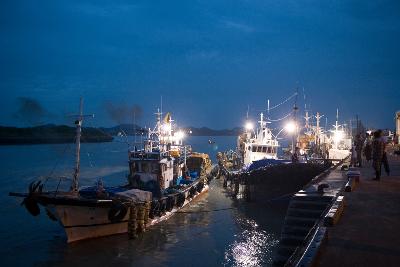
<point x="204" y="211"/>
<point x="280" y="119"/>
<point x="284" y="101"/>
<point x="57" y="163"/>
<point x="231" y="208"/>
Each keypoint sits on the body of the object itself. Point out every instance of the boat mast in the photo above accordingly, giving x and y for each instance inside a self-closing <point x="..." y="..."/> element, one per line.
<point x="295" y="136"/>
<point x="337" y="120"/>
<point x="318" y="130"/>
<point x="307" y="118"/>
<point x="78" y="123"/>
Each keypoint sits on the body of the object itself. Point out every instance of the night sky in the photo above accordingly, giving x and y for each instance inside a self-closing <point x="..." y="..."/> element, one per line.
<point x="208" y="60"/>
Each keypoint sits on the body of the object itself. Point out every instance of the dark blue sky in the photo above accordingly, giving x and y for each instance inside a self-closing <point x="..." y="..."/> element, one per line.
<point x="208" y="59"/>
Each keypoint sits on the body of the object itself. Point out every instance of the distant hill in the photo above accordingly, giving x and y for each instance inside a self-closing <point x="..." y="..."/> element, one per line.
<point x="128" y="129"/>
<point x="50" y="134"/>
<point x="205" y="131"/>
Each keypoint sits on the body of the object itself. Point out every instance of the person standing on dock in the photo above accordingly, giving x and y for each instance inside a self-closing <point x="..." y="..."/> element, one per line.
<point x="368" y="147"/>
<point x="385" y="161"/>
<point x="353" y="159"/>
<point x="359" y="143"/>
<point x="378" y="149"/>
<point x="295" y="155"/>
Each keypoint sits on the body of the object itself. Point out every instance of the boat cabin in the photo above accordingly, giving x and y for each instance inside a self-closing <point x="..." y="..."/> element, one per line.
<point x="150" y="169"/>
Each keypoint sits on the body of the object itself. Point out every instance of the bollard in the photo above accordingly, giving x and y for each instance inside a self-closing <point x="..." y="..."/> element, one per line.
<point x="355" y="174"/>
<point x="236" y="188"/>
<point x="225" y="185"/>
<point x="132" y="221"/>
<point x="247" y="192"/>
<point x="147" y="212"/>
<point x="322" y="186"/>
<point x="350" y="185"/>
<point x="140" y="218"/>
<point x="335" y="212"/>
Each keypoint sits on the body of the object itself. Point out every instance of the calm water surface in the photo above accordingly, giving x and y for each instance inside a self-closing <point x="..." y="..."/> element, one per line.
<point x="242" y="236"/>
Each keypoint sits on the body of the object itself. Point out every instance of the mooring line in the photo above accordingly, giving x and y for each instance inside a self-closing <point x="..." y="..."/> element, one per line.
<point x="204" y="211"/>
<point x="231" y="208"/>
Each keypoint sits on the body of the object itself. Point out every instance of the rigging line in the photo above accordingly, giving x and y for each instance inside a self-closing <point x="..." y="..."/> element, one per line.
<point x="284" y="101"/>
<point x="57" y="162"/>
<point x="90" y="160"/>
<point x="286" y="116"/>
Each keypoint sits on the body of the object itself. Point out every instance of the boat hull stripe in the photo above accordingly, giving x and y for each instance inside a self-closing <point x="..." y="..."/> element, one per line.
<point x="93" y="225"/>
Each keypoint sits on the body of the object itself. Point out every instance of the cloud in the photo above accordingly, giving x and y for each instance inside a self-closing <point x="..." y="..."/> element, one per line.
<point x="30" y="111"/>
<point x="122" y="113"/>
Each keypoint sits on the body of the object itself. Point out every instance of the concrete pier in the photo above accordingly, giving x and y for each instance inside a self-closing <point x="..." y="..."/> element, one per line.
<point x="368" y="233"/>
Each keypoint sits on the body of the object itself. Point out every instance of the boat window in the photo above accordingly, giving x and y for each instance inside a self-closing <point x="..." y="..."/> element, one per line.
<point x="259" y="149"/>
<point x="272" y="150"/>
<point x="254" y="149"/>
<point x="269" y="150"/>
<point x="249" y="148"/>
<point x="146" y="167"/>
<point x="134" y="167"/>
<point x="264" y="149"/>
<point x="154" y="168"/>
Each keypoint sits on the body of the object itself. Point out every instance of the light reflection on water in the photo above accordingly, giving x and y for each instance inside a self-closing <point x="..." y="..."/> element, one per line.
<point x="240" y="236"/>
<point x="252" y="246"/>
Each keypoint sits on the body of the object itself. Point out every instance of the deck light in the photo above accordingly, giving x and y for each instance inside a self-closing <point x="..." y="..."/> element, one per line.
<point x="180" y="135"/>
<point x="290" y="127"/>
<point x="166" y="127"/>
<point x="338" y="136"/>
<point x="249" y="126"/>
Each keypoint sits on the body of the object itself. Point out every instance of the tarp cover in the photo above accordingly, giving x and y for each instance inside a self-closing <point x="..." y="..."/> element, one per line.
<point x="136" y="195"/>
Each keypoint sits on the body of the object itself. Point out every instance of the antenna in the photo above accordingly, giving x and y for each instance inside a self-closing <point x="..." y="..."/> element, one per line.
<point x="318" y="117"/>
<point x="295" y="109"/>
<point x="247" y="113"/>
<point x="134" y="125"/>
<point x="337" y="114"/>
<point x="305" y="103"/>
<point x="326" y="123"/>
<point x="161" y="107"/>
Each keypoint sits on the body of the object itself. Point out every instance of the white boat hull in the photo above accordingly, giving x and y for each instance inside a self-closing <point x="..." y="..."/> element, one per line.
<point x="82" y="222"/>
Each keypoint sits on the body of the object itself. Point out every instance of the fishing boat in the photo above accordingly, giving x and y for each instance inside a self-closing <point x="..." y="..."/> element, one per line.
<point x="255" y="172"/>
<point x="164" y="176"/>
<point x="313" y="141"/>
<point x="257" y="144"/>
<point x="256" y="148"/>
<point x="341" y="141"/>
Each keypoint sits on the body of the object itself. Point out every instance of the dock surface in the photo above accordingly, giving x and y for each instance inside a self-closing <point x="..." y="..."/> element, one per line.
<point x="368" y="233"/>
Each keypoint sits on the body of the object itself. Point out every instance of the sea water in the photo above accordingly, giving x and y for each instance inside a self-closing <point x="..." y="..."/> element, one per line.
<point x="216" y="230"/>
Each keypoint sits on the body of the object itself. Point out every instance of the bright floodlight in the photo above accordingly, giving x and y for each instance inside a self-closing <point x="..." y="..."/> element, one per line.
<point x="180" y="135"/>
<point x="337" y="136"/>
<point x="290" y="127"/>
<point x="166" y="127"/>
<point x="249" y="126"/>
